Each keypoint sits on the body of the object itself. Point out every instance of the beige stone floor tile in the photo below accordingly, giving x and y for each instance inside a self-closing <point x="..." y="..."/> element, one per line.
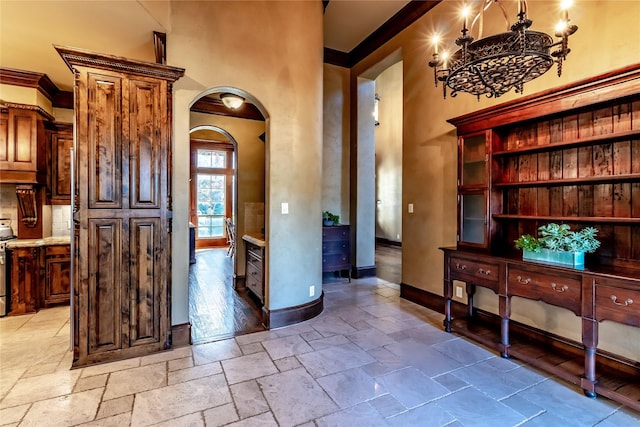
<point x="176" y="400"/>
<point x="64" y="410"/>
<point x="262" y="420"/>
<point x="193" y="373"/>
<point x="164" y="356"/>
<point x="221" y="415"/>
<point x="248" y="367"/>
<point x="8" y="377"/>
<point x="120" y="405"/>
<point x="120" y="420"/>
<point x="249" y="399"/>
<point x="191" y="420"/>
<point x="120" y="365"/>
<point x="90" y="383"/>
<point x="41" y="387"/>
<point x="41" y="369"/>
<point x="135" y="380"/>
<point x="13" y="414"/>
<point x="183" y="363"/>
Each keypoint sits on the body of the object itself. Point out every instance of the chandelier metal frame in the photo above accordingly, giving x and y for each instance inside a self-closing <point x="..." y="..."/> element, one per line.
<point x="494" y="65"/>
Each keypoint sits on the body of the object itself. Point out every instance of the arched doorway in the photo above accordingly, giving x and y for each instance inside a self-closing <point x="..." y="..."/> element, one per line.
<point x="227" y="184"/>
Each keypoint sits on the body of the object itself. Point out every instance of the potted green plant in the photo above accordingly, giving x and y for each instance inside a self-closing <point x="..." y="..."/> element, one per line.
<point x="558" y="244"/>
<point x="329" y="219"/>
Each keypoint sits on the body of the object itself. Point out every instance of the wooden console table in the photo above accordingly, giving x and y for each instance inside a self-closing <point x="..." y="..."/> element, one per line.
<point x="594" y="295"/>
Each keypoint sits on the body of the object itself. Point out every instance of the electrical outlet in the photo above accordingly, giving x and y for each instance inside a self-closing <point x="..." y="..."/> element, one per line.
<point x="312" y="290"/>
<point x="458" y="291"/>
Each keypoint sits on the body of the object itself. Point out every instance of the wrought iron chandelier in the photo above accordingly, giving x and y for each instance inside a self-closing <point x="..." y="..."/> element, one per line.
<point x="494" y="65"/>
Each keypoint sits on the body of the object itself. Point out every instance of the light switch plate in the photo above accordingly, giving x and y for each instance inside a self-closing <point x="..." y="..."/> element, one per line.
<point x="285" y="208"/>
<point x="410" y="207"/>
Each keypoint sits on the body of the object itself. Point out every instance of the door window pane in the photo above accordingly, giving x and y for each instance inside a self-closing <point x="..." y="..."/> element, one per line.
<point x="212" y="159"/>
<point x="211" y="205"/>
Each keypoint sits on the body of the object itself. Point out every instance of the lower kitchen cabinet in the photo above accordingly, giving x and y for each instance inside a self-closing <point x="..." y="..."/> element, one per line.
<point x="255" y="270"/>
<point x="39" y="275"/>
<point x="26" y="279"/>
<point x="57" y="278"/>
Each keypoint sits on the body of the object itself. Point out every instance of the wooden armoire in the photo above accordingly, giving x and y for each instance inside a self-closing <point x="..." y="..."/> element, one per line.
<point x="121" y="206"/>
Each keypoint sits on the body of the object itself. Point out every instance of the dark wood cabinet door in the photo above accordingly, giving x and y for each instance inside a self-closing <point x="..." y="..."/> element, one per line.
<point x="60" y="172"/>
<point x="57" y="282"/>
<point x="122" y="210"/>
<point x="26" y="278"/>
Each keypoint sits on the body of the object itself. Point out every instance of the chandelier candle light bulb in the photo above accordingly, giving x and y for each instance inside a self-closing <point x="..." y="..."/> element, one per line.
<point x="495" y="64"/>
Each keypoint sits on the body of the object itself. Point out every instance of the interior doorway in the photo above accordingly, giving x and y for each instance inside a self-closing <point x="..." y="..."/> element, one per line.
<point x="227" y="182"/>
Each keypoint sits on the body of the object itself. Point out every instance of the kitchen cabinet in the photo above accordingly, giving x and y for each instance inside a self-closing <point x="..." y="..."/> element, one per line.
<point x="336" y="249"/>
<point x="255" y="269"/>
<point x="123" y="206"/>
<point x="26" y="280"/>
<point x="569" y="155"/>
<point x="59" y="172"/>
<point x="57" y="278"/>
<point x="22" y="144"/>
<point x="39" y="273"/>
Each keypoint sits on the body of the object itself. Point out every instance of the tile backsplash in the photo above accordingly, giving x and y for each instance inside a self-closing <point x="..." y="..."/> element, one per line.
<point x="9" y="204"/>
<point x="60" y="216"/>
<point x="60" y="220"/>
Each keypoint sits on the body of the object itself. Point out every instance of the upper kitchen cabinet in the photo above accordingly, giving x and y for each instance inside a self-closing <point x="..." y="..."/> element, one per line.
<point x="22" y="144"/>
<point x="59" y="172"/>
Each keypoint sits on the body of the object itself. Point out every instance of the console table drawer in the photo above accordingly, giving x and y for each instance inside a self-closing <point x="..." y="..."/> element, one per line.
<point x="465" y="269"/>
<point x="617" y="304"/>
<point x="561" y="291"/>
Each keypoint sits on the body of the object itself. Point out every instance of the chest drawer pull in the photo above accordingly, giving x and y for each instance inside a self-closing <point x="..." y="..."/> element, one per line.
<point x="460" y="266"/>
<point x="523" y="281"/>
<point x="483" y="271"/>
<point x="626" y="302"/>
<point x="560" y="289"/>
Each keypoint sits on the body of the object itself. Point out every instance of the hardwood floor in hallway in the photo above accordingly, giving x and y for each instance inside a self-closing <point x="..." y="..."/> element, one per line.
<point x="216" y="310"/>
<point x="389" y="262"/>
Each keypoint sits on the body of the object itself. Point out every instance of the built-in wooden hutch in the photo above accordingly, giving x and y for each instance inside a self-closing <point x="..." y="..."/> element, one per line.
<point x="568" y="155"/>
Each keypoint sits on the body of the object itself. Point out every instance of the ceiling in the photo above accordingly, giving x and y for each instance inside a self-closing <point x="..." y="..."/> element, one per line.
<point x="348" y="22"/>
<point x="128" y="27"/>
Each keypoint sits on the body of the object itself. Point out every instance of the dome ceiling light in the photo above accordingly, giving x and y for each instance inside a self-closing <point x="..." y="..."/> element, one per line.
<point x="495" y="64"/>
<point x="232" y="101"/>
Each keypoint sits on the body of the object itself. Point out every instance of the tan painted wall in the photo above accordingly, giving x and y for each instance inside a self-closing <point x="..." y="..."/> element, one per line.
<point x="335" y="147"/>
<point x="429" y="142"/>
<point x="272" y="51"/>
<point x="250" y="152"/>
<point x="388" y="141"/>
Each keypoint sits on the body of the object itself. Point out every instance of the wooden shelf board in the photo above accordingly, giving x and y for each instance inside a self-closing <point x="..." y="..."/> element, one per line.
<point x="593" y="219"/>
<point x="610" y="137"/>
<point x="571" y="181"/>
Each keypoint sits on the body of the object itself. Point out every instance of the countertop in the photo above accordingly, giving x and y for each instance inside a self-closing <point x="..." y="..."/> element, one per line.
<point x="47" y="241"/>
<point x="255" y="238"/>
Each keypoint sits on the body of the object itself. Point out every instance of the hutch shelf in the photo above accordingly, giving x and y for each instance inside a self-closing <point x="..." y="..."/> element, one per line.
<point x="568" y="155"/>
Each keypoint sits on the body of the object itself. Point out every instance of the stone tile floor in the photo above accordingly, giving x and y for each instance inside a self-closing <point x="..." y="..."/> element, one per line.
<point x="370" y="359"/>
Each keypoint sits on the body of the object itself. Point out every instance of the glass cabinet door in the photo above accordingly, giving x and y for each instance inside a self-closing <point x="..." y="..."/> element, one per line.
<point x="473" y="161"/>
<point x="473" y="186"/>
<point x="473" y="214"/>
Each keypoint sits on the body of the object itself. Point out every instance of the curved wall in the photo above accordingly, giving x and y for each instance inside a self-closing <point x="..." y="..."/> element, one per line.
<point x="272" y="50"/>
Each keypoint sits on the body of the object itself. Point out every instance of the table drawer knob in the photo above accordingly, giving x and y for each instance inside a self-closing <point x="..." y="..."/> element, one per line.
<point x="625" y="303"/>
<point x="560" y="289"/>
<point x="523" y="281"/>
<point x="460" y="266"/>
<point x="483" y="271"/>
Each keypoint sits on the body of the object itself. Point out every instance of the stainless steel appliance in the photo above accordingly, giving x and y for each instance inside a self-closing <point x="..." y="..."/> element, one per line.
<point x="4" y="282"/>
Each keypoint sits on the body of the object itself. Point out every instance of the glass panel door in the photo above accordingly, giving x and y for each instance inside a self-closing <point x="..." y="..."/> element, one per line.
<point x="211" y="209"/>
<point x="474" y="160"/>
<point x="473" y="213"/>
